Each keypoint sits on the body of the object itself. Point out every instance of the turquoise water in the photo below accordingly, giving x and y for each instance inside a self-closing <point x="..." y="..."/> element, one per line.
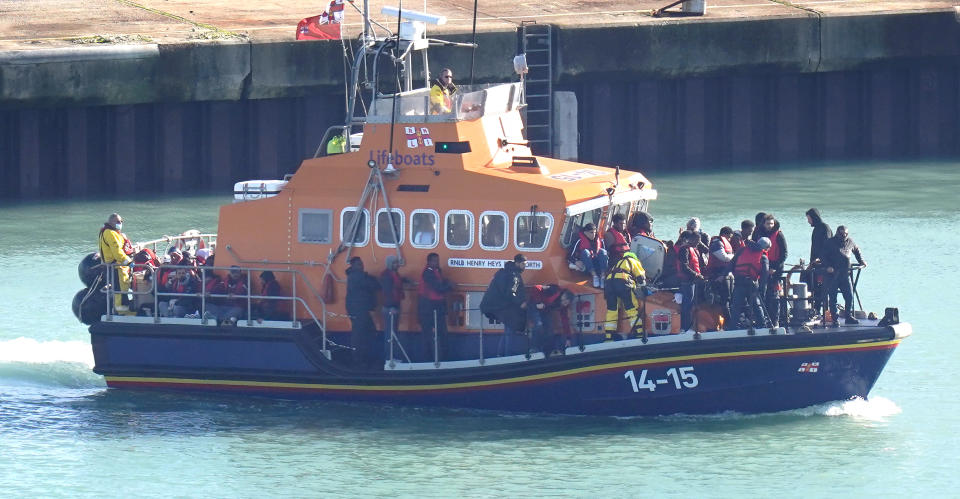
<point x="63" y="434"/>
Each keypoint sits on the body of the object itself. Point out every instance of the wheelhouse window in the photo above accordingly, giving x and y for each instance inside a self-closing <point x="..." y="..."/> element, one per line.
<point x="532" y="231"/>
<point x="493" y="230"/>
<point x="573" y="224"/>
<point x="423" y="229"/>
<point x="458" y="228"/>
<point x="315" y="226"/>
<point x="385" y="235"/>
<point x="361" y="233"/>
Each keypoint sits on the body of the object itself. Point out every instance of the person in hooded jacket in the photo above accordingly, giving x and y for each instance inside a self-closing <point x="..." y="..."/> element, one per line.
<point x="757" y="223"/>
<point x="432" y="308"/>
<point x="391" y="283"/>
<point x="360" y="301"/>
<point x="839" y="249"/>
<point x="506" y="301"/>
<point x="750" y="265"/>
<point x="641" y="224"/>
<point x="817" y="277"/>
<point x="777" y="256"/>
<point x="117" y="251"/>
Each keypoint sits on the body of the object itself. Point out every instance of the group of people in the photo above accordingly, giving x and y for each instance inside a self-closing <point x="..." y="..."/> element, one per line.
<point x="739" y="270"/>
<point x="182" y="276"/>
<point x="507" y="301"/>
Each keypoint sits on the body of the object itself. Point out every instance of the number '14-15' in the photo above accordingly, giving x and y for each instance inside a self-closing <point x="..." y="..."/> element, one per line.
<point x="682" y="377"/>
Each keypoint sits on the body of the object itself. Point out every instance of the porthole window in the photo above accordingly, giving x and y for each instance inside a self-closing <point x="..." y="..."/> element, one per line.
<point x="315" y="226"/>
<point x="385" y="236"/>
<point x="532" y="232"/>
<point x="362" y="234"/>
<point x="458" y="227"/>
<point x="423" y="229"/>
<point x="493" y="230"/>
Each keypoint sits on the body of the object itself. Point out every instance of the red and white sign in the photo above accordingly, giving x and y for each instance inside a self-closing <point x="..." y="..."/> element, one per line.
<point x="417" y="137"/>
<point x="809" y="367"/>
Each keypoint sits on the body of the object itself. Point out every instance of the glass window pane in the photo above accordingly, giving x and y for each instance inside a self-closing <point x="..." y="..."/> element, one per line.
<point x="384" y="234"/>
<point x="360" y="236"/>
<point x="532" y="231"/>
<point x="424" y="229"/>
<point x="493" y="230"/>
<point x="459" y="227"/>
<point x="315" y="226"/>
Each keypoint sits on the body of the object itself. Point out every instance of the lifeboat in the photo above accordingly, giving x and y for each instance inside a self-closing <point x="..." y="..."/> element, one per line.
<point x="462" y="184"/>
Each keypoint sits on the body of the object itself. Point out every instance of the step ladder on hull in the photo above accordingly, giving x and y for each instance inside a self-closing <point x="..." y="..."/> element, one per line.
<point x="537" y="43"/>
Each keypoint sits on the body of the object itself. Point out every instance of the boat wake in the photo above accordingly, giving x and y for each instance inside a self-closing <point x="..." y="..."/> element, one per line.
<point x="26" y="361"/>
<point x="872" y="409"/>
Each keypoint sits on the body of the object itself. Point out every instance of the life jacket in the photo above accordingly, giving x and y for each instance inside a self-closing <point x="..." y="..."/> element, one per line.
<point x="592" y="246"/>
<point x="428" y="292"/>
<point x="694" y="263"/>
<point x="237" y="287"/>
<point x="397" y="287"/>
<point x="627" y="269"/>
<point x="749" y="263"/>
<point x="143" y="258"/>
<point x="716" y="267"/>
<point x="127" y="247"/>
<point x="775" y="252"/>
<point x="216" y="286"/>
<point x="620" y="244"/>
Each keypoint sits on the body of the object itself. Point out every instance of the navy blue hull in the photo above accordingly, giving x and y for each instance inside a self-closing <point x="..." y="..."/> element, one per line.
<point x="745" y="374"/>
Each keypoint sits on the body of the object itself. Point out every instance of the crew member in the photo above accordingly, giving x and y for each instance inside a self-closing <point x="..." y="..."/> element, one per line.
<point x="749" y="265"/>
<point x="432" y="308"/>
<point x="116" y="251"/>
<point x="360" y="301"/>
<point x="839" y="249"/>
<point x="777" y="255"/>
<point x="589" y="254"/>
<point x="616" y="239"/>
<point x="688" y="264"/>
<point x="506" y="301"/>
<point x="441" y="93"/>
<point x="620" y="290"/>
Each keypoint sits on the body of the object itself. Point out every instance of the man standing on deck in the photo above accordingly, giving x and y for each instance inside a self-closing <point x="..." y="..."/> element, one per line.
<point x="361" y="300"/>
<point x="432" y="308"/>
<point x="116" y="251"/>
<point x="506" y="301"/>
<point x="620" y="292"/>
<point x="818" y="250"/>
<point x="838" y="250"/>
<point x="441" y="93"/>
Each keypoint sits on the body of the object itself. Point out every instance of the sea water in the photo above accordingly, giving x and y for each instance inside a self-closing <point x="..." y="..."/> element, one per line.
<point x="63" y="434"/>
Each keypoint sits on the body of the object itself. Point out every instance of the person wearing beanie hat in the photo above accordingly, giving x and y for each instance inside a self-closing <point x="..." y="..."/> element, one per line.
<point x="506" y="301"/>
<point x="587" y="254"/>
<point x="750" y="267"/>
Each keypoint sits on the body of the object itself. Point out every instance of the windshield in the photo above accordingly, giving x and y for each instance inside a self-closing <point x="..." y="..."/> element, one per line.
<point x="575" y="222"/>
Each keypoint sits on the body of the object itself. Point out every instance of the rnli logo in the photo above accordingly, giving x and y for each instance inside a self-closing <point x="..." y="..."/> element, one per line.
<point x="417" y="137"/>
<point x="809" y="367"/>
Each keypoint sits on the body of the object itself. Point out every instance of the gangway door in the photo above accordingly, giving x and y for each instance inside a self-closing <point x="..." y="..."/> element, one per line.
<point x="537" y="44"/>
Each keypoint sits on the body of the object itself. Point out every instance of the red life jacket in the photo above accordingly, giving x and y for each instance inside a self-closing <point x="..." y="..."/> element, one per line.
<point x="620" y="244"/>
<point x="592" y="246"/>
<point x="428" y="292"/>
<point x="694" y="262"/>
<point x="397" y="288"/>
<point x="749" y="263"/>
<point x="775" y="252"/>
<point x="127" y="245"/>
<point x="716" y="267"/>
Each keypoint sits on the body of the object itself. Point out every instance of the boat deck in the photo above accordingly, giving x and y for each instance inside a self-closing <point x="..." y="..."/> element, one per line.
<point x="49" y="23"/>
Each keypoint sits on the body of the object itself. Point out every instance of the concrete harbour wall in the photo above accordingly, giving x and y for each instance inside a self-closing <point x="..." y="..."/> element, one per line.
<point x="674" y="95"/>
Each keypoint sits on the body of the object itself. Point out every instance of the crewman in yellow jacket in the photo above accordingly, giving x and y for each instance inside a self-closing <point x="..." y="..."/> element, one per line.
<point x="115" y="249"/>
<point x="620" y="287"/>
<point x="441" y="93"/>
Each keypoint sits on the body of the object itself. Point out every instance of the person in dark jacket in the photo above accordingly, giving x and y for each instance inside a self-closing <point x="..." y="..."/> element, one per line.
<point x="777" y="255"/>
<point x="839" y="249"/>
<point x="542" y="304"/>
<point x="506" y="301"/>
<point x="271" y="310"/>
<point x="391" y="284"/>
<point x="361" y="300"/>
<point x="432" y="308"/>
<point x="757" y="222"/>
<point x="689" y="272"/>
<point x="818" y="240"/>
<point x="641" y="224"/>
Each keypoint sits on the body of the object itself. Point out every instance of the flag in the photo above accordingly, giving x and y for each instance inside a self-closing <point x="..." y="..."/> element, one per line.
<point x="326" y="26"/>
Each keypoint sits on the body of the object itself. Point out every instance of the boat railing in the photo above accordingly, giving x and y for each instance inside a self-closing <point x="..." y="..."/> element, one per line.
<point x="469" y="102"/>
<point x="207" y="310"/>
<point x="189" y="239"/>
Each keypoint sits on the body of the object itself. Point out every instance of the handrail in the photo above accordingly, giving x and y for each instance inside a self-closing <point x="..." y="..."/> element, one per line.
<point x="208" y="240"/>
<point x="203" y="295"/>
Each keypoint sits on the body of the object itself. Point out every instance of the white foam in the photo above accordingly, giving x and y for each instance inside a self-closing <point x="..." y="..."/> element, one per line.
<point x="872" y="409"/>
<point x="31" y="351"/>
